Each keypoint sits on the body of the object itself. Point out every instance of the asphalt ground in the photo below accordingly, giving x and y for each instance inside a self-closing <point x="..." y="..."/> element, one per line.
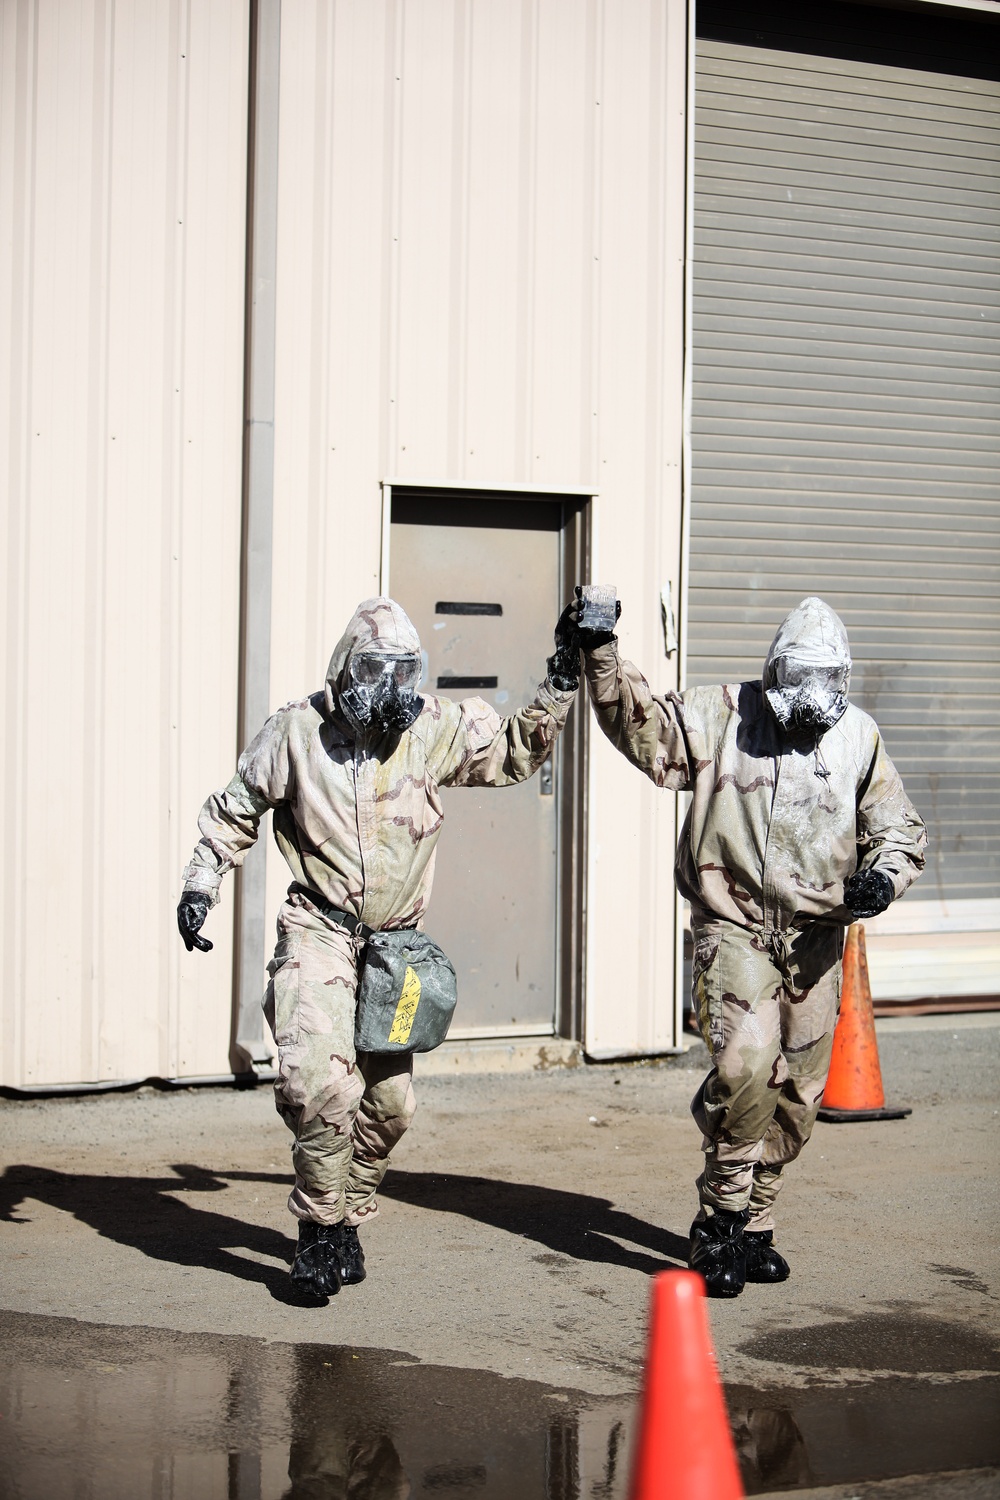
<point x="153" y="1345"/>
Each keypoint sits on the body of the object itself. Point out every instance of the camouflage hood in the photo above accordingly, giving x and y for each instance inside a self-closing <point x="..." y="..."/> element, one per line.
<point x="811" y="632"/>
<point x="379" y="625"/>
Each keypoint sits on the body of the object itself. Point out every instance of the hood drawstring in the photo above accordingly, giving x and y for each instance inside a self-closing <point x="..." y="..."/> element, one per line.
<point x="820" y="767"/>
<point x="777" y="945"/>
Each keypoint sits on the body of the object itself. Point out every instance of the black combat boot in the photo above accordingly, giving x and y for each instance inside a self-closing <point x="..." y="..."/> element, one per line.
<point x="352" y="1257"/>
<point x="316" y="1267"/>
<point x="717" y="1251"/>
<point x="763" y="1261"/>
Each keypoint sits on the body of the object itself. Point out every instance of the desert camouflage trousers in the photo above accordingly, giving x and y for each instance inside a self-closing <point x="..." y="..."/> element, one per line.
<point x="346" y="1110"/>
<point x="766" y="1006"/>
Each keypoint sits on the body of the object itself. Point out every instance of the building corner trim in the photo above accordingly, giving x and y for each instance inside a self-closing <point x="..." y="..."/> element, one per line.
<point x="250" y="1049"/>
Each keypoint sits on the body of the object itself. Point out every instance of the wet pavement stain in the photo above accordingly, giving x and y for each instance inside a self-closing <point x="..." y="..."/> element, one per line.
<point x="904" y="1342"/>
<point x="968" y="1281"/>
<point x="130" y="1413"/>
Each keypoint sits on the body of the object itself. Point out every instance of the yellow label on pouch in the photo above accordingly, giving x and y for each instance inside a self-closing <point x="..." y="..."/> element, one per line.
<point x="402" y="1021"/>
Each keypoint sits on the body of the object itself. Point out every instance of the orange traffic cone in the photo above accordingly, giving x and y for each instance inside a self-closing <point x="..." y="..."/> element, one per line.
<point x="684" y="1448"/>
<point x="854" y="1084"/>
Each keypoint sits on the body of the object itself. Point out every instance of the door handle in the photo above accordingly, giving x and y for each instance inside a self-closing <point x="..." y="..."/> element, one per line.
<point x="545" y="779"/>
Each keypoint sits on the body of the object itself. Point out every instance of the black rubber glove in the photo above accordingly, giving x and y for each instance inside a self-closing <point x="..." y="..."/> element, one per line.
<point x="191" y="913"/>
<point x="571" y="639"/>
<point x="564" y="664"/>
<point x="867" y="892"/>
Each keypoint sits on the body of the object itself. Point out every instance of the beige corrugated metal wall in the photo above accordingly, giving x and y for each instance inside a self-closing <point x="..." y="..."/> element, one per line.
<point x="481" y="211"/>
<point x="123" y="178"/>
<point x="480" y="280"/>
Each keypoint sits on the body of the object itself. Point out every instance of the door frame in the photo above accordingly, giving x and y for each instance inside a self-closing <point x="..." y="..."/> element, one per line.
<point x="571" y="849"/>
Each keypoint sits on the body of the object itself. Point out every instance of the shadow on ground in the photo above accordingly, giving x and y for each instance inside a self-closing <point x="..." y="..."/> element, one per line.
<point x="145" y="1214"/>
<point x="571" y="1224"/>
<point x="152" y="1215"/>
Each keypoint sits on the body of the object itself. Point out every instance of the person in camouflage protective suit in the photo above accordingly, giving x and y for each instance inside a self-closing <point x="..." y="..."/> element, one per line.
<point x="353" y="776"/>
<point x="798" y="825"/>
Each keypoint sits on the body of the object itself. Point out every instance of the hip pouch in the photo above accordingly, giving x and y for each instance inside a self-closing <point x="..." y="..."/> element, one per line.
<point x="407" y="994"/>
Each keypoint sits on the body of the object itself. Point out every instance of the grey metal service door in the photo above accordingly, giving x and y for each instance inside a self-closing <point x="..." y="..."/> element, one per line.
<point x="480" y="579"/>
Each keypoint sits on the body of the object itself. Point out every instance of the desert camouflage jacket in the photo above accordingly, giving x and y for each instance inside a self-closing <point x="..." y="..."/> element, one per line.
<point x="357" y="817"/>
<point x="773" y="831"/>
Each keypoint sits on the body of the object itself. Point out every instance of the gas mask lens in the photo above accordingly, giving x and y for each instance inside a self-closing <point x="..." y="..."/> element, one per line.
<point x="406" y="672"/>
<point x="368" y="670"/>
<point x="794" y="674"/>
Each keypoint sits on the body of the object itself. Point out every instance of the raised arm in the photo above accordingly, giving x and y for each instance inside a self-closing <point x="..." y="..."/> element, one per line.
<point x="473" y="745"/>
<point x="649" y="731"/>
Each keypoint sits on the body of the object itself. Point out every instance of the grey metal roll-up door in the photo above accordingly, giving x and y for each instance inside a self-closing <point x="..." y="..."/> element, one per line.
<point x="845" y="404"/>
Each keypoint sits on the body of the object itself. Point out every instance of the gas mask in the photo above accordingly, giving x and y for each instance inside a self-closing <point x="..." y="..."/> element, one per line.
<point x="382" y="694"/>
<point x="807" y="695"/>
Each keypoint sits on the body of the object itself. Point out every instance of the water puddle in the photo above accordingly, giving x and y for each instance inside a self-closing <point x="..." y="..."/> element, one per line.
<point x="129" y="1413"/>
<point x="788" y="1440"/>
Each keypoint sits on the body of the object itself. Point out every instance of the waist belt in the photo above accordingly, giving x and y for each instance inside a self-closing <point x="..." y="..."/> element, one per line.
<point x="344" y="919"/>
